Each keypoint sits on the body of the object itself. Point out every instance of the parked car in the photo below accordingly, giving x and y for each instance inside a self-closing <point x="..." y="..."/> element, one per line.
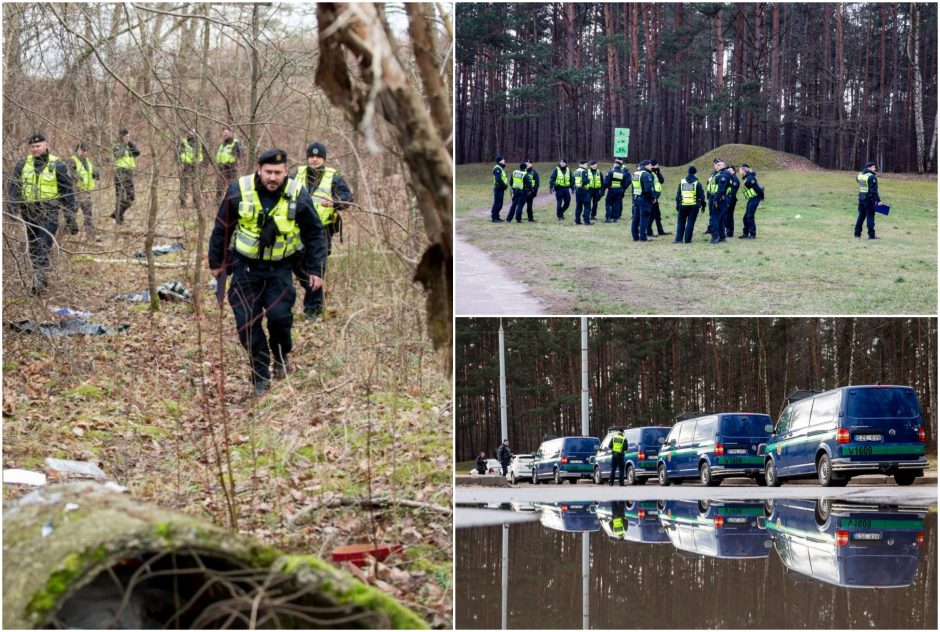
<point x="564" y="458"/>
<point x="519" y="468"/>
<point x="848" y="431"/>
<point x="642" y="446"/>
<point x="721" y="529"/>
<point x="848" y="545"/>
<point x="712" y="447"/>
<point x="493" y="468"/>
<point x="579" y="516"/>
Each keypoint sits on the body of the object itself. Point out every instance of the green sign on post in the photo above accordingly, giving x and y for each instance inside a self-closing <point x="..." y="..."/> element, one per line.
<point x="621" y="141"/>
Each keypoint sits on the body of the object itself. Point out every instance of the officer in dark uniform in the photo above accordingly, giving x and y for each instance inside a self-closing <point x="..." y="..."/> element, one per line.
<point x="330" y="195"/>
<point x="690" y="200"/>
<point x="521" y="186"/>
<point x="618" y="523"/>
<point x="754" y="194"/>
<point x="264" y="220"/>
<point x="655" y="214"/>
<point x="125" y="154"/>
<point x="716" y="219"/>
<point x="582" y="194"/>
<point x="596" y="187"/>
<point x="615" y="182"/>
<point x="190" y="155"/>
<point x="867" y="199"/>
<point x="534" y="177"/>
<point x="41" y="187"/>
<point x="618" y="446"/>
<point x="500" y="184"/>
<point x="560" y="183"/>
<point x="710" y="189"/>
<point x="732" y="200"/>
<point x="643" y="196"/>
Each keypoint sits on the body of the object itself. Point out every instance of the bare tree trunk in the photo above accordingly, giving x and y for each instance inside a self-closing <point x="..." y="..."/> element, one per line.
<point x="852" y="353"/>
<point x="426" y="58"/>
<point x="200" y="214"/>
<point x="917" y="97"/>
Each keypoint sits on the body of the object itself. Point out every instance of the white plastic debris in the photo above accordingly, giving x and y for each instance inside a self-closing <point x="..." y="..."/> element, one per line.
<point x="47" y="529"/>
<point x="798" y="217"/>
<point x="23" y="477"/>
<point x="78" y="469"/>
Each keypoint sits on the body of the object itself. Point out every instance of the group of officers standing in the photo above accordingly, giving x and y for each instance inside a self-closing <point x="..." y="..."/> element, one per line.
<point x="271" y="224"/>
<point x="588" y="185"/>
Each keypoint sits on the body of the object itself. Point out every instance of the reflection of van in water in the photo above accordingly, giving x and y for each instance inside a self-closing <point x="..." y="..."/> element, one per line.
<point x="640" y="450"/>
<point x="723" y="529"/>
<point x="854" y="546"/>
<point x="575" y="516"/>
<point x="641" y="518"/>
<point x="848" y="431"/>
<point x="712" y="447"/>
<point x="565" y="458"/>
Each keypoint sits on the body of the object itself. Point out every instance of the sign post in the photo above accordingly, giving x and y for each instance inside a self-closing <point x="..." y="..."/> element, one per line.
<point x="621" y="141"/>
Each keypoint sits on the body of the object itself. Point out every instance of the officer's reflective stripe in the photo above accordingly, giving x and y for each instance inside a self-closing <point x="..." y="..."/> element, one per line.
<point x="85" y="179"/>
<point x="501" y="178"/>
<point x="595" y="179"/>
<point x="687" y="192"/>
<point x="616" y="444"/>
<point x="616" y="179"/>
<point x="635" y="181"/>
<point x="750" y="192"/>
<point x="518" y="179"/>
<point x="42" y="186"/>
<point x="187" y="156"/>
<point x="657" y="185"/>
<point x="125" y="160"/>
<point x="712" y="184"/>
<point x="863" y="181"/>
<point x="579" y="179"/>
<point x="616" y="525"/>
<point x="248" y="234"/>
<point x="325" y="192"/>
<point x="226" y="153"/>
<point x="563" y="177"/>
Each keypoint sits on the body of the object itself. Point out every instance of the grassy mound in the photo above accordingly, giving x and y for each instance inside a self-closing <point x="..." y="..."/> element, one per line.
<point x="759" y="158"/>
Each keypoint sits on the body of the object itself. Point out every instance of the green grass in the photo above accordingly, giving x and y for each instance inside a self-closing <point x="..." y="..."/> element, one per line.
<point x="810" y="265"/>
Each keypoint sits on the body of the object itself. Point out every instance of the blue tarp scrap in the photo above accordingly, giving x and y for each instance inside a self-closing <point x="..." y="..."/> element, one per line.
<point x="159" y="251"/>
<point x="68" y="327"/>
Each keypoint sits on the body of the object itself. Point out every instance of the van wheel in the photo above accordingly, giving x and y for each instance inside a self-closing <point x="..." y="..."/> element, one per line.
<point x="770" y="474"/>
<point x="557" y="478"/>
<point x="768" y="507"/>
<point x="631" y="475"/>
<point x="639" y="480"/>
<point x="705" y="475"/>
<point x="573" y="481"/>
<point x="823" y="510"/>
<point x="761" y="480"/>
<point x="663" y="478"/>
<point x="597" y="476"/>
<point x="905" y="478"/>
<point x="703" y="506"/>
<point x="825" y="475"/>
<point x="535" y="479"/>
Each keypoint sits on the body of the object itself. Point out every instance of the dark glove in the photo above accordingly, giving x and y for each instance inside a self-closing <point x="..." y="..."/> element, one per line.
<point x="551" y="189"/>
<point x="268" y="233"/>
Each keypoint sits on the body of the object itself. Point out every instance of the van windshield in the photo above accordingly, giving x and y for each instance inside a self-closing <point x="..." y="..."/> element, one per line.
<point x="581" y="445"/>
<point x="744" y="425"/>
<point x="882" y="402"/>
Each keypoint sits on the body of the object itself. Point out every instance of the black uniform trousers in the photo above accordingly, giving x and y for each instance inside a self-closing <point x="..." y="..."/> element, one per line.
<point x="613" y="205"/>
<point x="497" y="202"/>
<point x="729" y="217"/>
<point x="711" y="210"/>
<point x="716" y="219"/>
<point x="562" y="201"/>
<point x="528" y="205"/>
<point x="227" y="174"/>
<point x="657" y="217"/>
<point x="686" y="223"/>
<point x="642" y="217"/>
<point x="123" y="192"/>
<point x="595" y="199"/>
<point x="188" y="175"/>
<point x="866" y="213"/>
<point x="582" y="209"/>
<point x="313" y="299"/>
<point x="42" y="221"/>
<point x="263" y="289"/>
<point x="616" y="463"/>
<point x="750" y="227"/>
<point x="519" y="197"/>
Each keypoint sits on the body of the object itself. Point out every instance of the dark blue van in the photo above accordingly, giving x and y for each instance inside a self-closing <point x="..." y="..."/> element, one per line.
<point x="642" y="446"/>
<point x="721" y="529"/>
<point x="641" y="518"/>
<point x="564" y="458"/>
<point x="579" y="516"/>
<point x="712" y="447"/>
<point x="846" y="544"/>
<point x="851" y="430"/>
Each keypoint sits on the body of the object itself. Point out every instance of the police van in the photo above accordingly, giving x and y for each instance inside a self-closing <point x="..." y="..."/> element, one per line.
<point x="712" y="447"/>
<point x="564" y="458"/>
<point x="722" y="529"/>
<point x="852" y="430"/>
<point x="640" y="450"/>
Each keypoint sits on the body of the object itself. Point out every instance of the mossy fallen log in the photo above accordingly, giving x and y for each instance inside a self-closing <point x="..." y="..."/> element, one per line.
<point x="84" y="556"/>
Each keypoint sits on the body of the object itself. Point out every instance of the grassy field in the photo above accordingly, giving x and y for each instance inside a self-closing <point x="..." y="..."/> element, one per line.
<point x="807" y="265"/>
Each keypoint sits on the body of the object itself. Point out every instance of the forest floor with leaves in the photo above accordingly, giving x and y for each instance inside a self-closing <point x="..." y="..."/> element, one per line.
<point x="810" y="264"/>
<point x="143" y="404"/>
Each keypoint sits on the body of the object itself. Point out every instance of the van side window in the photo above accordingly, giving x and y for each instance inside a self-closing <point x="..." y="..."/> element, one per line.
<point x="783" y="424"/>
<point x="673" y="435"/>
<point x="704" y="429"/>
<point x="800" y="419"/>
<point x="687" y="431"/>
<point x="825" y="409"/>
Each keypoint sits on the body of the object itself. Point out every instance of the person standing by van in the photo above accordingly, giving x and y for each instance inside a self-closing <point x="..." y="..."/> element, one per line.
<point x="617" y="447"/>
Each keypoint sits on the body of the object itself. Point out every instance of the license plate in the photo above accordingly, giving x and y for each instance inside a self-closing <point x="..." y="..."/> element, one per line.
<point x="736" y="520"/>
<point x="868" y="537"/>
<point x="737" y="451"/>
<point x="859" y="451"/>
<point x="868" y="437"/>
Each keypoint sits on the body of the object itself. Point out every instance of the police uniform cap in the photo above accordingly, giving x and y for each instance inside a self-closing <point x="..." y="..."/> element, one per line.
<point x="870" y="164"/>
<point x="745" y="165"/>
<point x="643" y="163"/>
<point x="35" y="137"/>
<point x="693" y="170"/>
<point x="593" y="162"/>
<point x="529" y="162"/>
<point x="564" y="160"/>
<point x="618" y="161"/>
<point x="499" y="159"/>
<point x="522" y="165"/>
<point x="273" y="157"/>
<point x="316" y="148"/>
<point x="653" y="161"/>
<point x="123" y="131"/>
<point x="717" y="160"/>
<point x="582" y="162"/>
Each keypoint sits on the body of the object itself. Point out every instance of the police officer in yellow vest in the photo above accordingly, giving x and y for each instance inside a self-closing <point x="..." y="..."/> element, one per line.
<point x="618" y="522"/>
<point x="618" y="447"/>
<point x="656" y="215"/>
<point x="190" y="154"/>
<point x="616" y="181"/>
<point x="500" y="184"/>
<point x="330" y="194"/>
<point x="560" y="183"/>
<point x="522" y="185"/>
<point x="226" y="161"/>
<point x="40" y="188"/>
<point x="265" y="220"/>
<point x="867" y="199"/>
<point x="690" y="201"/>
<point x="84" y="175"/>
<point x="125" y="154"/>
<point x="596" y="187"/>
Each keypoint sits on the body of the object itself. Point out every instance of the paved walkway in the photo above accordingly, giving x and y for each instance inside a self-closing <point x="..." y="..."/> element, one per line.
<point x="483" y="288"/>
